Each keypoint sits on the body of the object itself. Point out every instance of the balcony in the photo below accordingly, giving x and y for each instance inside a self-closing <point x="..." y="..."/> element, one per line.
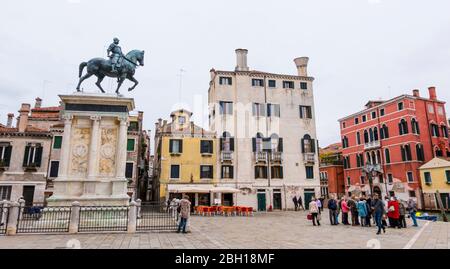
<point x="372" y="145"/>
<point x="31" y="167"/>
<point x="261" y="157"/>
<point x="3" y="165"/>
<point x="226" y="156"/>
<point x="276" y="157"/>
<point x="309" y="157"/>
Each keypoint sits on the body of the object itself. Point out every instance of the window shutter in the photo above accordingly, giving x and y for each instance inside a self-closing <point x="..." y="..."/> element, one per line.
<point x="280" y="144"/>
<point x="7" y="155"/>
<point x="281" y="171"/>
<point x="309" y="109"/>
<point x="254" y="144"/>
<point x="272" y="171"/>
<point x="221" y="143"/>
<point x="313" y="146"/>
<point x="231" y="171"/>
<point x="202" y="146"/>
<point x="211" y="147"/>
<point x="170" y="145"/>
<point x="25" y="155"/>
<point x="38" y="157"/>
<point x="181" y="146"/>
<point x="256" y="171"/>
<point x="303" y="145"/>
<point x="221" y="172"/>
<point x="400" y="129"/>
<point x="301" y="112"/>
<point x="265" y="172"/>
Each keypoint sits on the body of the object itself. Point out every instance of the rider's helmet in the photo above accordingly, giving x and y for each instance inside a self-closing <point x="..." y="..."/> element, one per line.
<point x="116" y="40"/>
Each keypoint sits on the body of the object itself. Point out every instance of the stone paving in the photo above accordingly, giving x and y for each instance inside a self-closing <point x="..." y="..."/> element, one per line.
<point x="275" y="230"/>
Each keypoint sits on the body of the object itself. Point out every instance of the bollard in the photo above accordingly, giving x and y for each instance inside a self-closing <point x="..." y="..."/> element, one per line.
<point x="74" y="217"/>
<point x="13" y="218"/>
<point x="4" y="213"/>
<point x="139" y="206"/>
<point x="132" y="217"/>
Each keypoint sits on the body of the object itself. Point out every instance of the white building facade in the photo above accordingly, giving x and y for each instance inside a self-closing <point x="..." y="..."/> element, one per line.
<point x="268" y="143"/>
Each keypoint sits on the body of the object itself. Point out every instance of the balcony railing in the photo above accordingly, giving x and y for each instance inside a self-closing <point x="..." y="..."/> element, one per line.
<point x="226" y="156"/>
<point x="261" y="157"/>
<point x="309" y="157"/>
<point x="276" y="157"/>
<point x="372" y="145"/>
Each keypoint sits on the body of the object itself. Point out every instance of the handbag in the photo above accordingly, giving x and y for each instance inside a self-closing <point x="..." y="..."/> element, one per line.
<point x="309" y="216"/>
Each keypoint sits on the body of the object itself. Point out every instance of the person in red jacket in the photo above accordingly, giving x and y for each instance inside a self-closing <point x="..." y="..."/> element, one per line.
<point x="394" y="213"/>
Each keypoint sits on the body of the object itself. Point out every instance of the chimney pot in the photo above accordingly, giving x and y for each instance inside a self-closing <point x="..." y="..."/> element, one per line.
<point x="432" y="92"/>
<point x="241" y="60"/>
<point x="10" y="119"/>
<point x="416" y="93"/>
<point x="302" y="66"/>
<point x="23" y="117"/>
<point x="38" y="103"/>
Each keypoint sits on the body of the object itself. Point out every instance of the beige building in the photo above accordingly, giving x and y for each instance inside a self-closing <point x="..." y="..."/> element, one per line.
<point x="268" y="143"/>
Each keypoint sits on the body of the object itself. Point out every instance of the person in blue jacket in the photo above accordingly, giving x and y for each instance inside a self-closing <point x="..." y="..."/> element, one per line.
<point x="362" y="210"/>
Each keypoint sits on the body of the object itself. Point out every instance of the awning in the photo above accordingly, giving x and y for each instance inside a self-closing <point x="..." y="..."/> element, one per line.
<point x="189" y="189"/>
<point x="225" y="190"/>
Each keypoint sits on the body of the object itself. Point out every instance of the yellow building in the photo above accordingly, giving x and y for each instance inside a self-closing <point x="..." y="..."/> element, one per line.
<point x="185" y="160"/>
<point x="435" y="176"/>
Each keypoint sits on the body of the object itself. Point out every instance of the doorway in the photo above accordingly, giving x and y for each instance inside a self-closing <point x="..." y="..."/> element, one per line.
<point x="227" y="199"/>
<point x="261" y="201"/>
<point x="277" y="199"/>
<point x="309" y="194"/>
<point x="28" y="195"/>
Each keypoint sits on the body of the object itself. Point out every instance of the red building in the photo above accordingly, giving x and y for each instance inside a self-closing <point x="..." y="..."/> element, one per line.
<point x="386" y="143"/>
<point x="331" y="171"/>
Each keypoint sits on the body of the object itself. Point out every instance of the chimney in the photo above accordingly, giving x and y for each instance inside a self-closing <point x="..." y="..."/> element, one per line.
<point x="23" y="117"/>
<point x="432" y="92"/>
<point x="302" y="66"/>
<point x="38" y="103"/>
<point x="416" y="93"/>
<point x="241" y="60"/>
<point x="10" y="119"/>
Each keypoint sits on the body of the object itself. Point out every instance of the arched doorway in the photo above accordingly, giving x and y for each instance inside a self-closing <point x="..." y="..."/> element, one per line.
<point x="377" y="190"/>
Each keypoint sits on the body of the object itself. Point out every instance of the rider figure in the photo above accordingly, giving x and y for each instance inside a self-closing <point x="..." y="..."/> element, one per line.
<point x="115" y="53"/>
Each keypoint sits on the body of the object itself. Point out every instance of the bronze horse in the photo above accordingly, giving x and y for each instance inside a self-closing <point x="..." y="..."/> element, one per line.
<point x="101" y="68"/>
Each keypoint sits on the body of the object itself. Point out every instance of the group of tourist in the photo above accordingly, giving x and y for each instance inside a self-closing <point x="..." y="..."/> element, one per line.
<point x="362" y="211"/>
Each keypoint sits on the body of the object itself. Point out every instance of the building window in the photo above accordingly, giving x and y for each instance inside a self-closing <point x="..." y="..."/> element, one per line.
<point x="288" y="85"/>
<point x="227" y="171"/>
<point x="54" y="168"/>
<point x="206" y="171"/>
<point x="273" y="110"/>
<point x="412" y="194"/>
<point x="387" y="156"/>
<point x="309" y="172"/>
<point x="410" y="176"/>
<point x="226" y="108"/>
<point x="129" y="170"/>
<point x="439" y="152"/>
<point x="440" y="110"/>
<point x="306" y="112"/>
<point x="259" y="110"/>
<point x="5" y="154"/>
<point x="406" y="153"/>
<point x="308" y="144"/>
<point x="447" y="176"/>
<point x="257" y="82"/>
<point x="434" y="130"/>
<point x="134" y="126"/>
<point x="277" y="171"/>
<point x="363" y="180"/>
<point x="358" y="138"/>
<point x="403" y="127"/>
<point x="33" y="155"/>
<point x="420" y="153"/>
<point x="181" y="120"/>
<point x="364" y="118"/>
<point x="415" y="126"/>
<point x="430" y="108"/>
<point x="427" y="176"/>
<point x="57" y="142"/>
<point x="174" y="171"/>
<point x="356" y="120"/>
<point x="348" y="181"/>
<point x="384" y="132"/>
<point x="444" y="131"/>
<point x="176" y="146"/>
<point x="303" y="85"/>
<point x="260" y="171"/>
<point x="226" y="142"/>
<point x="382" y="112"/>
<point x="374" y="114"/>
<point x="5" y="194"/>
<point x="390" y="178"/>
<point x="343" y="125"/>
<point x="130" y="144"/>
<point x="225" y="80"/>
<point x="400" y="106"/>
<point x="206" y="146"/>
<point x="272" y="83"/>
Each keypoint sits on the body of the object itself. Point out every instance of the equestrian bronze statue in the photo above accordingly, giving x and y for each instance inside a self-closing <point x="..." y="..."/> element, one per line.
<point x="119" y="66"/>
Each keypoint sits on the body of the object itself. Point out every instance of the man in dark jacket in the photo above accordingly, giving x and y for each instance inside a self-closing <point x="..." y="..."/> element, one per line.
<point x="300" y="202"/>
<point x="332" y="207"/>
<point x="378" y="209"/>
<point x="295" y="202"/>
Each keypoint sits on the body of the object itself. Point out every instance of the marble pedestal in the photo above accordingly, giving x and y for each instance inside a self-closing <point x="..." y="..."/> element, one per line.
<point x="93" y="152"/>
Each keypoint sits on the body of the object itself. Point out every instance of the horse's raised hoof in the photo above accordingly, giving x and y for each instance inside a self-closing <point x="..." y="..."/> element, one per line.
<point x="130" y="89"/>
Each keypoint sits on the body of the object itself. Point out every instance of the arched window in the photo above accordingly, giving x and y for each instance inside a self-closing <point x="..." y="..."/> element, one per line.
<point x="384" y="132"/>
<point x="374" y="158"/>
<point x="406" y="153"/>
<point x="378" y="156"/>
<point x="358" y="138"/>
<point x="366" y="137"/>
<point x="345" y="142"/>
<point x="375" y="134"/>
<point x="419" y="152"/>
<point x="438" y="152"/>
<point x="434" y="130"/>
<point x="368" y="158"/>
<point x="276" y="143"/>
<point x="403" y="127"/>
<point x="258" y="144"/>
<point x="415" y="126"/>
<point x="444" y="130"/>
<point x="226" y="142"/>
<point x="308" y="144"/>
<point x="387" y="156"/>
<point x="371" y="135"/>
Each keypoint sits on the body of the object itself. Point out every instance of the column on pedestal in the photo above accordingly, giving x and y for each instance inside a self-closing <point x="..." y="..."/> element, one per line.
<point x="93" y="148"/>
<point x="120" y="187"/>
<point x="65" y="148"/>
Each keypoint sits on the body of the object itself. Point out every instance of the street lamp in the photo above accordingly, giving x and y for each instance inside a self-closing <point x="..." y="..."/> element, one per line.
<point x="370" y="172"/>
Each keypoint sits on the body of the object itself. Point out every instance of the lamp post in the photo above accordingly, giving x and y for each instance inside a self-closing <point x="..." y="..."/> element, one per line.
<point x="369" y="171"/>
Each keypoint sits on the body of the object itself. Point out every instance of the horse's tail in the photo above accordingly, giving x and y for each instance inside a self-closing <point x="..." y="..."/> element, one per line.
<point x="82" y="66"/>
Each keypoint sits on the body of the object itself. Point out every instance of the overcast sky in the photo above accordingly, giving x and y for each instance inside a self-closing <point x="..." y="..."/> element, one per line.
<point x="358" y="49"/>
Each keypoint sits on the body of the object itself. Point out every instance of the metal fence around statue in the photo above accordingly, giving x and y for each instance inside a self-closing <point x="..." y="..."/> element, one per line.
<point x="40" y="219"/>
<point x="103" y="218"/>
<point x="156" y="217"/>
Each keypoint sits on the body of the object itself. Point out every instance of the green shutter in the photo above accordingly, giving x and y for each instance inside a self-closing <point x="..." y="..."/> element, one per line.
<point x="57" y="142"/>
<point x="181" y="146"/>
<point x="130" y="144"/>
<point x="447" y="174"/>
<point x="170" y="145"/>
<point x="7" y="155"/>
<point x="25" y="155"/>
<point x="38" y="156"/>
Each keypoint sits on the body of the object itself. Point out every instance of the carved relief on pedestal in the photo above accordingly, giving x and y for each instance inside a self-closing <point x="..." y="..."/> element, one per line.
<point x="80" y="150"/>
<point x="108" y="152"/>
